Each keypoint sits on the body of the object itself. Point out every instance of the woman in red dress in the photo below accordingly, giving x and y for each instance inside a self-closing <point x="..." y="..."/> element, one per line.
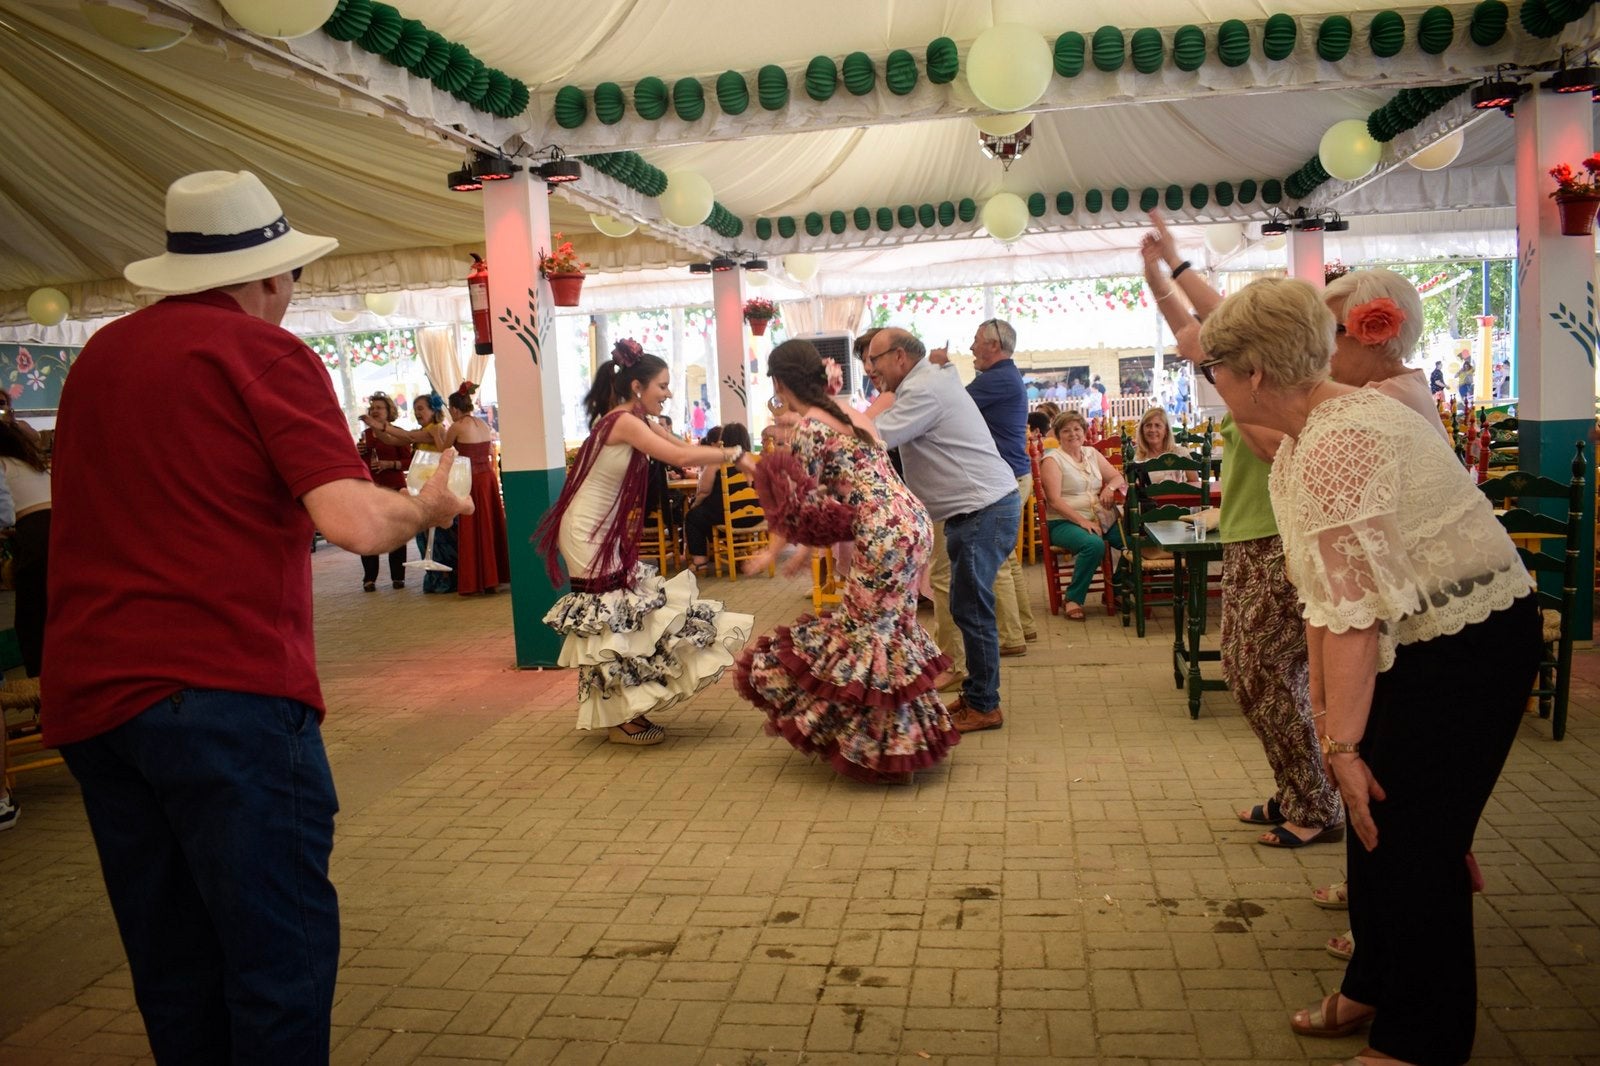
<point x="482" y="559"/>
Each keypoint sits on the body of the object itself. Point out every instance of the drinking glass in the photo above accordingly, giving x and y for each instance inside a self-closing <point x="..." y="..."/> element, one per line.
<point x="423" y="464"/>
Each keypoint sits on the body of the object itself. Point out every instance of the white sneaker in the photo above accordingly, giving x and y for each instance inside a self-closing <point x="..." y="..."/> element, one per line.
<point x="8" y="813"/>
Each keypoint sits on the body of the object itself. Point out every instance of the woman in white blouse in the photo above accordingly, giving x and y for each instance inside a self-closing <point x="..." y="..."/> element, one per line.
<point x="1403" y="575"/>
<point x="1080" y="489"/>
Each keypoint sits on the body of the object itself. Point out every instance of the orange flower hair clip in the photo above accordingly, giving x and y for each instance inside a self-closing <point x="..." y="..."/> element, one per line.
<point x="1375" y="322"/>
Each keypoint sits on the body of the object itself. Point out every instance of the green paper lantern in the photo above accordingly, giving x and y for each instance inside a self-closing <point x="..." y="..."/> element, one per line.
<point x="837" y="222"/>
<point x="906" y="216"/>
<point x="1488" y="23"/>
<point x="498" y="98"/>
<point x="349" y="20"/>
<point x="519" y="99"/>
<point x="1272" y="191"/>
<point x="813" y="224"/>
<point x="1224" y="193"/>
<point x="927" y="215"/>
<point x="383" y="30"/>
<point x="1147" y="50"/>
<point x="608" y="103"/>
<point x="1277" y="39"/>
<point x="411" y="46"/>
<point x="1036" y="204"/>
<point x="733" y="94"/>
<point x="688" y="99"/>
<point x="967" y="209"/>
<point x="1536" y="19"/>
<point x="763" y="229"/>
<point x="434" y="58"/>
<point x="1119" y="199"/>
<point x="1199" y="196"/>
<point x="885" y="219"/>
<point x="1149" y="197"/>
<point x="1108" y="50"/>
<point x="1435" y="30"/>
<point x="1093" y="201"/>
<point x="1064" y="203"/>
<point x="1247" y="191"/>
<point x="650" y="98"/>
<point x="652" y="181"/>
<point x="859" y="75"/>
<point x="1334" y="37"/>
<point x="1387" y="34"/>
<point x="944" y="61"/>
<point x="476" y="84"/>
<point x="822" y="76"/>
<point x="1068" y="55"/>
<point x="785" y="226"/>
<point x="772" y="87"/>
<point x="862" y="218"/>
<point x="1174" y="197"/>
<point x="947" y="212"/>
<point x="900" y="72"/>
<point x="1233" y="43"/>
<point x="1565" y="11"/>
<point x="1188" y="48"/>
<point x="571" y="107"/>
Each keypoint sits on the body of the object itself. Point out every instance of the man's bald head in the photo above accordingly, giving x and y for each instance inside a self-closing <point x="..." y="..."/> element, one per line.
<point x="892" y="354"/>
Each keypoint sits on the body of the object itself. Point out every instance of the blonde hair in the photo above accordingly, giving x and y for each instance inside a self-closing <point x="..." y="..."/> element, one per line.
<point x="1279" y="326"/>
<point x="1167" y="443"/>
<point x="1066" y="418"/>
<point x="1362" y="286"/>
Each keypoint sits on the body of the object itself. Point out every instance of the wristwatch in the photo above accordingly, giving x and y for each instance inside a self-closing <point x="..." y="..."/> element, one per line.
<point x="1339" y="747"/>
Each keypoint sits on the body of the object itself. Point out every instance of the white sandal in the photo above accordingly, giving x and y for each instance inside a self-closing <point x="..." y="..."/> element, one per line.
<point x="1336" y="897"/>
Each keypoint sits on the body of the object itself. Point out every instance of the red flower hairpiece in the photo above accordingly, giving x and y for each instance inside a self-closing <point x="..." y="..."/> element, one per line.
<point x="466" y="388"/>
<point x="1375" y="322"/>
<point x="626" y="352"/>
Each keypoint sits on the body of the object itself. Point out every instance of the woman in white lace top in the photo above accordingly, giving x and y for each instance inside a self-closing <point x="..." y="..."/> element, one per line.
<point x="1403" y="575"/>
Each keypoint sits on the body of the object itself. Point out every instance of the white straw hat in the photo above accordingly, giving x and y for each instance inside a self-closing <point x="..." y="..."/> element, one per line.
<point x="224" y="228"/>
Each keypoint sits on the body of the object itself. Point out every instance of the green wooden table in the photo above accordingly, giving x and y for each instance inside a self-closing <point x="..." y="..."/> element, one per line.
<point x="1190" y="557"/>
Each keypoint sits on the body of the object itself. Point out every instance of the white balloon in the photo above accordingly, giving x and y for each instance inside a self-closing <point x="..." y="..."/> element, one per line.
<point x="1440" y="153"/>
<point x="1009" y="67"/>
<point x="130" y="29"/>
<point x="687" y="199"/>
<point x="48" y="307"/>
<point x="1005" y="216"/>
<point x="344" y="315"/>
<point x="1224" y="237"/>
<point x="1004" y="125"/>
<point x="284" y="19"/>
<point x="382" y="304"/>
<point x="613" y="227"/>
<point x="1348" y="151"/>
<point x="1275" y="242"/>
<point x="801" y="266"/>
<point x="756" y="279"/>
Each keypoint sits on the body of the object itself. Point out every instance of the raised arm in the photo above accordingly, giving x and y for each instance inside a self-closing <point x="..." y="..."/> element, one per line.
<point x="1202" y="297"/>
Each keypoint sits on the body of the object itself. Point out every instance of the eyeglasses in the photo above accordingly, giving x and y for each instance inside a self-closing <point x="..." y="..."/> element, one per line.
<point x="872" y="360"/>
<point x="296" y="272"/>
<point x="1207" y="367"/>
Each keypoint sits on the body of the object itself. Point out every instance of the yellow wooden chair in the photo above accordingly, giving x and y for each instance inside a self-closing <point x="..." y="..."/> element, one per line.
<point x="743" y="531"/>
<point x="26" y="750"/>
<point x="825" y="583"/>
<point x="658" y="541"/>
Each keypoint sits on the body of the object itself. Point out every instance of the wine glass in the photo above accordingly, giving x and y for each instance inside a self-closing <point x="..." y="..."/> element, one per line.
<point x="423" y="465"/>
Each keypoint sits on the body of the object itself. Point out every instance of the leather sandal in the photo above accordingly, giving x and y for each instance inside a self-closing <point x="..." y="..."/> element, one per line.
<point x="1342" y="947"/>
<point x="1336" y="897"/>
<point x="1268" y="813"/>
<point x="1283" y="837"/>
<point x="1074" y="611"/>
<point x="1324" y="1019"/>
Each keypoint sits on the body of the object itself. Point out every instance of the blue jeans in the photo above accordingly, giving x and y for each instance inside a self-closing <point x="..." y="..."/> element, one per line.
<point x="1087" y="550"/>
<point x="213" y="816"/>
<point x="978" y="542"/>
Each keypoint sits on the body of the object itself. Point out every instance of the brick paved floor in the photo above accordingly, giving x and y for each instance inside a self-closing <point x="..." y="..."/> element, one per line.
<point x="1072" y="888"/>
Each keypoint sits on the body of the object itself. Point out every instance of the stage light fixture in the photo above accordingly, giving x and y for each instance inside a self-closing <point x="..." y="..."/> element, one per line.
<point x="1574" y="80"/>
<point x="755" y="264"/>
<point x="463" y="180"/>
<point x="491" y="166"/>
<point x="1496" y="92"/>
<point x="1274" y="228"/>
<point x="560" y="170"/>
<point x="1336" y="223"/>
<point x="722" y="264"/>
<point x="699" y="268"/>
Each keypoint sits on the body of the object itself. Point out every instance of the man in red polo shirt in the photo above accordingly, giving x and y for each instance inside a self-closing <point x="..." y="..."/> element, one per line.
<point x="198" y="446"/>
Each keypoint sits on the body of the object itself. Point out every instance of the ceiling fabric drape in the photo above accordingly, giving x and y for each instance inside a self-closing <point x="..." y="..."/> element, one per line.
<point x="799" y="316"/>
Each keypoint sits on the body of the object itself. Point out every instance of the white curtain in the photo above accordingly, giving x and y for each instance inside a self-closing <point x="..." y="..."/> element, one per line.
<point x="437" y="349"/>
<point x="843" y="313"/>
<point x="799" y="316"/>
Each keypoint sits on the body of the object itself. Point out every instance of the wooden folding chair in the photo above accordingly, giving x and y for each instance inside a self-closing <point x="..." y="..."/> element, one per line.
<point x="1058" y="564"/>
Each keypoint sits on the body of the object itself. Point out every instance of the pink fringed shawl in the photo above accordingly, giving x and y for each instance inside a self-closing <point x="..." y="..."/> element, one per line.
<point x="619" y="541"/>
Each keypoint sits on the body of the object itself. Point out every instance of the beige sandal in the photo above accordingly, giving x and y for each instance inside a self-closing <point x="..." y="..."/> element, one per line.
<point x="1074" y="611"/>
<point x="1342" y="947"/>
<point x="648" y="733"/>
<point x="1336" y="897"/>
<point x="1324" y="1019"/>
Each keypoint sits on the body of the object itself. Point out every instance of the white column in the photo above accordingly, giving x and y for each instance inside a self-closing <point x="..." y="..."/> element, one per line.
<point x="1305" y="257"/>
<point x="727" y="305"/>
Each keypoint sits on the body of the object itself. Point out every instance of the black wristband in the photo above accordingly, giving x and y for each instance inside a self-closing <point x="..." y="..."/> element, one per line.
<point x="1180" y="268"/>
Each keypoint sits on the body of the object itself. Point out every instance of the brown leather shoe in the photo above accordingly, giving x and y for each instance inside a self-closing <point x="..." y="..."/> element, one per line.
<point x="967" y="720"/>
<point x="1031" y="636"/>
<point x="950" y="680"/>
<point x="1014" y="649"/>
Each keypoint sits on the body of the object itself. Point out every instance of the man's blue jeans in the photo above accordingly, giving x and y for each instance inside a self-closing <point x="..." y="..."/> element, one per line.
<point x="213" y="816"/>
<point x="979" y="542"/>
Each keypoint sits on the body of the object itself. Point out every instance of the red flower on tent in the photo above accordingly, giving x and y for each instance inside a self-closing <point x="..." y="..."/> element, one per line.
<point x="24" y="360"/>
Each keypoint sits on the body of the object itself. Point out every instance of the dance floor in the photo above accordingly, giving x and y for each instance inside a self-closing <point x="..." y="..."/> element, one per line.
<point x="1072" y="888"/>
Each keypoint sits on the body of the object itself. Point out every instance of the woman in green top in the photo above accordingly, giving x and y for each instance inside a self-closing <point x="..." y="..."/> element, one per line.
<point x="1264" y="654"/>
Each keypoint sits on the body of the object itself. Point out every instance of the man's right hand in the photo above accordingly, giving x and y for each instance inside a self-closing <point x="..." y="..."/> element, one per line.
<point x="439" y="504"/>
<point x="939" y="356"/>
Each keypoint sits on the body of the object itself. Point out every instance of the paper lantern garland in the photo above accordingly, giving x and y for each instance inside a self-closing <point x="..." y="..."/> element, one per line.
<point x="900" y="72"/>
<point x="1188" y="48"/>
<point x="1067" y="58"/>
<point x="1233" y="43"/>
<point x="772" y="87"/>
<point x="1278" y="37"/>
<point x="1488" y="23"/>
<point x="733" y="95"/>
<point x="1387" y="34"/>
<point x="1334" y="37"/>
<point x="571" y="107"/>
<point x="1108" y="49"/>
<point x="1147" y="50"/>
<point x="1435" y="30"/>
<point x="609" y="104"/>
<point x="944" y="61"/>
<point x="688" y="99"/>
<point x="822" y="76"/>
<point x="860" y="77"/>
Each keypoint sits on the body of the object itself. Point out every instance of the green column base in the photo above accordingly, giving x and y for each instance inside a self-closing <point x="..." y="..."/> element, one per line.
<point x="1546" y="449"/>
<point x="529" y="494"/>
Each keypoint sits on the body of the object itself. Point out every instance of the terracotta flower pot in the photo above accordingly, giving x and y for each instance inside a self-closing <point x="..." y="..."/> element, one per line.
<point x="758" y="326"/>
<point x="565" y="289"/>
<point x="1577" y="212"/>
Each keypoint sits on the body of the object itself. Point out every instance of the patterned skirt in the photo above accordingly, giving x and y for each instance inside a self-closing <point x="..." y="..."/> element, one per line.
<point x="643" y="648"/>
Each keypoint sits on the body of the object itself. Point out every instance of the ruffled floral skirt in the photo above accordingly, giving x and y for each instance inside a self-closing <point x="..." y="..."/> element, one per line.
<point x="642" y="649"/>
<point x="857" y="690"/>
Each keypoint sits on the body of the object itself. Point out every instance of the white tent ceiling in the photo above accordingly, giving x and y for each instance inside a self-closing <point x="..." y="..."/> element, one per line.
<point x="356" y="147"/>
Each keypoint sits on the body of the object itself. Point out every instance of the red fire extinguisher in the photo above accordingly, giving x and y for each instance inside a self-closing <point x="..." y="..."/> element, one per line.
<point x="478" y="293"/>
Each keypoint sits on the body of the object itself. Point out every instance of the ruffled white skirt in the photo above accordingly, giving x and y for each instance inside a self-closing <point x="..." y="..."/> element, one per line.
<point x="643" y="649"/>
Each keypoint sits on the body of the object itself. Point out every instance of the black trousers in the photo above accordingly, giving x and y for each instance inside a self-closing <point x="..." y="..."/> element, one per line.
<point x="397" y="565"/>
<point x="30" y="552"/>
<point x="1436" y="741"/>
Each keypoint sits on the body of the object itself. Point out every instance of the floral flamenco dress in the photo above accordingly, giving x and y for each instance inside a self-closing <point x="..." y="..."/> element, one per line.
<point x="640" y="643"/>
<point x="856" y="686"/>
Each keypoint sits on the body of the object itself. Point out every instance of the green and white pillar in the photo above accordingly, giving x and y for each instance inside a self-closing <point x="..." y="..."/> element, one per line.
<point x="1555" y="332"/>
<point x="533" y="464"/>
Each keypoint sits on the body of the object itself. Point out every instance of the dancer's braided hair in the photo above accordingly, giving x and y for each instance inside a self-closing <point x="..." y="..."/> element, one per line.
<point x="798" y="366"/>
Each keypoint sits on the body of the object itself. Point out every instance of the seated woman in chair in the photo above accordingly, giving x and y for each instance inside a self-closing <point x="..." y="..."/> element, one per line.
<point x="705" y="512"/>
<point x="1080" y="488"/>
<point x="1155" y="438"/>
